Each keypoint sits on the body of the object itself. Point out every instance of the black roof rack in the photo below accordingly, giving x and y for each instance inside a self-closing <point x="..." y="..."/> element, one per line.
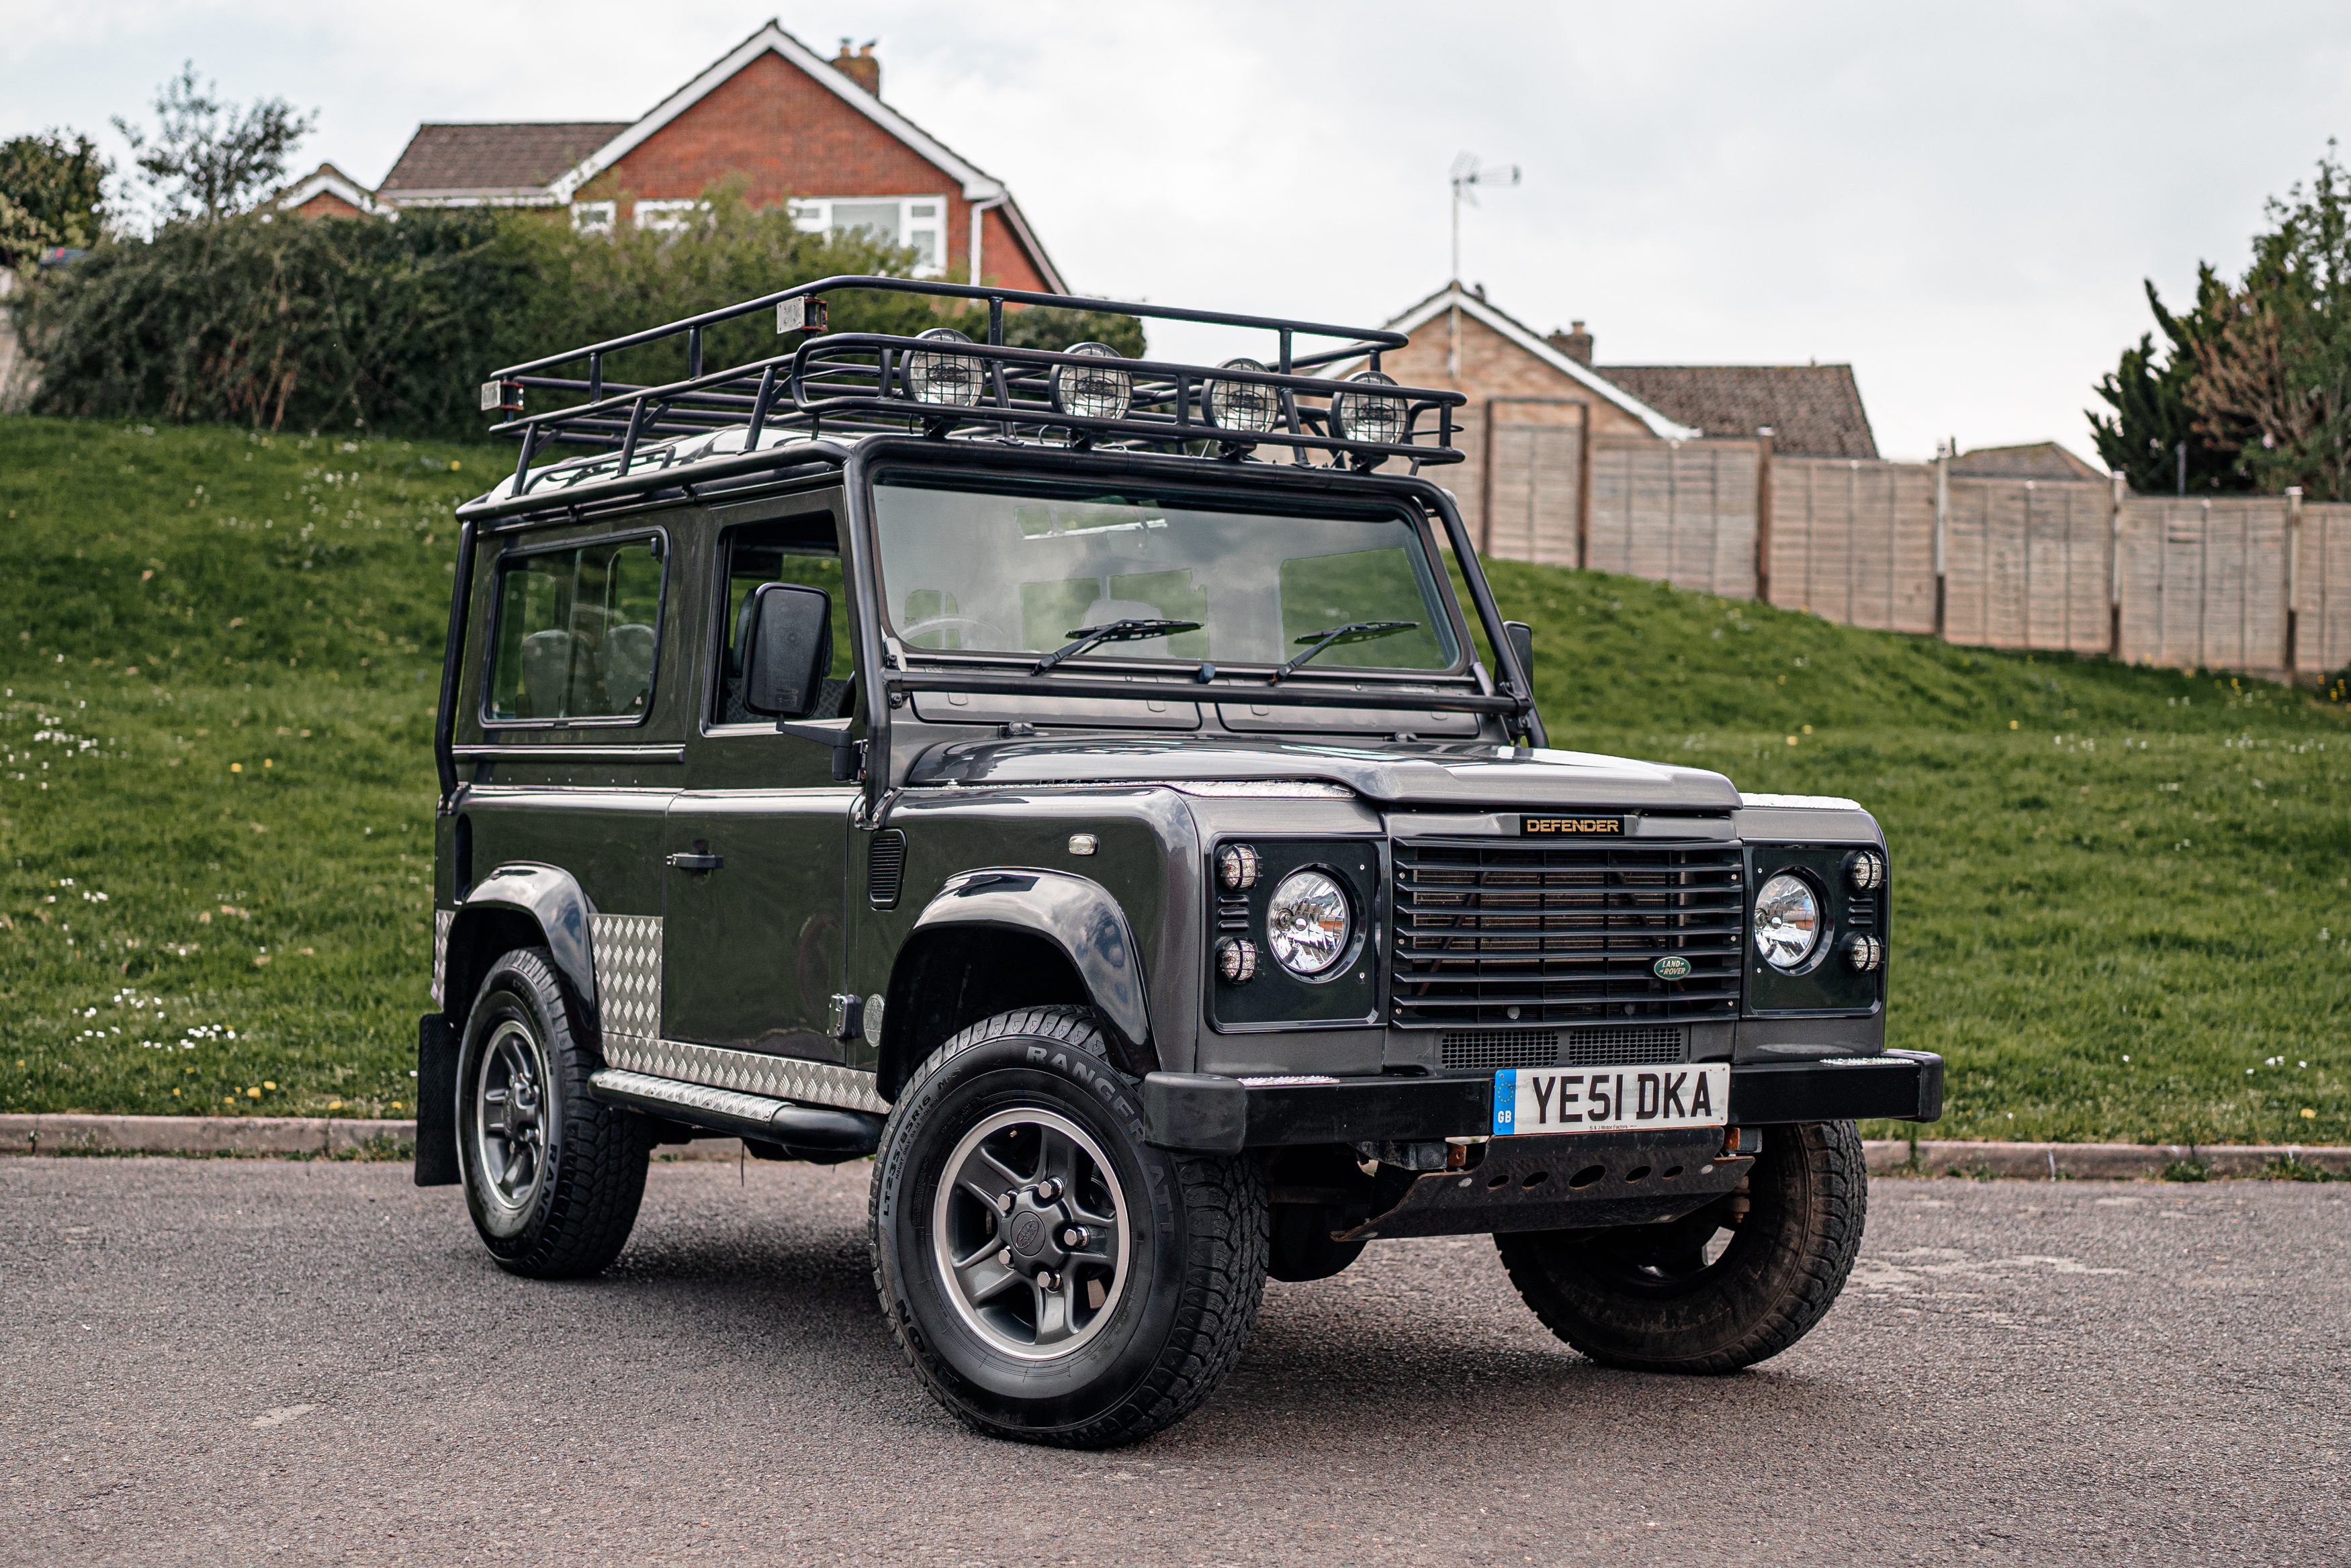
<point x="844" y="385"/>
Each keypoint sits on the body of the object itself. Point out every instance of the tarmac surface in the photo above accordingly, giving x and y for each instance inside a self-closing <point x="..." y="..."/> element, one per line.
<point x="261" y="1360"/>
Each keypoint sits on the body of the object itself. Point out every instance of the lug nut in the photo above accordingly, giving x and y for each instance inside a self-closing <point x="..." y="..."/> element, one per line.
<point x="1075" y="1236"/>
<point x="1004" y="1203"/>
<point x="1048" y="1189"/>
<point x="1049" y="1280"/>
<point x="1005" y="1257"/>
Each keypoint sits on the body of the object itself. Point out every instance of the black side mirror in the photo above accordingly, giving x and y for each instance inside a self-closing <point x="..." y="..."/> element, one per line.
<point x="787" y="649"/>
<point x="1522" y="643"/>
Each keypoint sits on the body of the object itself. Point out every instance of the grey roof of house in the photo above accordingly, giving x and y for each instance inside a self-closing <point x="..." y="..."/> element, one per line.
<point x="1813" y="410"/>
<point x="504" y="158"/>
<point x="2041" y="460"/>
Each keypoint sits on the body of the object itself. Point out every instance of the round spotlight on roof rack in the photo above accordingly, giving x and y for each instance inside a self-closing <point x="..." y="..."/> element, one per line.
<point x="942" y="378"/>
<point x="1095" y="392"/>
<point x="1249" y="406"/>
<point x="1372" y="418"/>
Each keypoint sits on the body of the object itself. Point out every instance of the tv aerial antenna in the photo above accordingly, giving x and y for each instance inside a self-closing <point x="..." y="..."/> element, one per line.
<point x="1468" y="172"/>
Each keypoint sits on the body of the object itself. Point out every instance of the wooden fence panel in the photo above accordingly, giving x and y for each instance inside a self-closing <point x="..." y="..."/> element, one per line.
<point x="2204" y="582"/>
<point x="1536" y="487"/>
<point x="1854" y="540"/>
<point x="1677" y="512"/>
<point x="2323" y="584"/>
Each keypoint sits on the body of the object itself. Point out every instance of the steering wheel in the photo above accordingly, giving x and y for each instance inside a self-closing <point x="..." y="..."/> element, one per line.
<point x="994" y="633"/>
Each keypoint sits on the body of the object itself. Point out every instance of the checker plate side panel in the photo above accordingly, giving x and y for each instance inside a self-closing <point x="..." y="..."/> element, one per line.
<point x="746" y="1072"/>
<point x="441" y="921"/>
<point x="627" y="951"/>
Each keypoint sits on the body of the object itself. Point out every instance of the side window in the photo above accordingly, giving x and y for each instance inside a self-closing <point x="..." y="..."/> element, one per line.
<point x="578" y="630"/>
<point x="779" y="553"/>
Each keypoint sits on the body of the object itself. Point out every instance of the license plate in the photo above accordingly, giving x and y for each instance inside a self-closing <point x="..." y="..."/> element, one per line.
<point x="1530" y="1100"/>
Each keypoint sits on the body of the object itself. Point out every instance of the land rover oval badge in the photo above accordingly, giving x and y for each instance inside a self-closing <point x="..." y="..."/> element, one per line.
<point x="1671" y="968"/>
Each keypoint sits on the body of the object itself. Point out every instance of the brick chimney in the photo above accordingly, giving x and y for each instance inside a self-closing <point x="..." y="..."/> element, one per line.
<point x="861" y="67"/>
<point x="1575" y="343"/>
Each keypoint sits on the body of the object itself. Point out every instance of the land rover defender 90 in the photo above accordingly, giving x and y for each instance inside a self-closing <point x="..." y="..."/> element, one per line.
<point x="1103" y="793"/>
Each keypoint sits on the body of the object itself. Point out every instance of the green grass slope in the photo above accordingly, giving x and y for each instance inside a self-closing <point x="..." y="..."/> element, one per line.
<point x="2121" y="902"/>
<point x="218" y="653"/>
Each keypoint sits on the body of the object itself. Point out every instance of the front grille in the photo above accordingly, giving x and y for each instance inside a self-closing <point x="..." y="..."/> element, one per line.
<point x="1540" y="1048"/>
<point x="1506" y="933"/>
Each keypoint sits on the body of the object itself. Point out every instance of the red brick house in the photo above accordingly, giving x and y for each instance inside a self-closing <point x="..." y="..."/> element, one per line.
<point x="326" y="193"/>
<point x="799" y="128"/>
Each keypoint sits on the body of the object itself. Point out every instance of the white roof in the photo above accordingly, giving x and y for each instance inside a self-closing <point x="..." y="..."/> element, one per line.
<point x="331" y="181"/>
<point x="1494" y="321"/>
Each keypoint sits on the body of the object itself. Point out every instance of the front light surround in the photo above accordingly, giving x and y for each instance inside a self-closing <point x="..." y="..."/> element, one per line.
<point x="1791" y="922"/>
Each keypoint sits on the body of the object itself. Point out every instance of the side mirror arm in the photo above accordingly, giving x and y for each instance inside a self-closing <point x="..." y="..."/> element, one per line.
<point x="848" y="752"/>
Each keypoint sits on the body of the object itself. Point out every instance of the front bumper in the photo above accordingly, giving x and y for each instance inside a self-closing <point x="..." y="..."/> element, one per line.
<point x="1204" y="1112"/>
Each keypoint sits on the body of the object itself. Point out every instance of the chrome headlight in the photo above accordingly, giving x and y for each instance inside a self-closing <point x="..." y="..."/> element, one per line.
<point x="1251" y="406"/>
<point x="1307" y="923"/>
<point x="1787" y="922"/>
<point x="1095" y="391"/>
<point x="951" y="378"/>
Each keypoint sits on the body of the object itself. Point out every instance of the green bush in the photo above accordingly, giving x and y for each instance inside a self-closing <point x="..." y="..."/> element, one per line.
<point x="356" y="322"/>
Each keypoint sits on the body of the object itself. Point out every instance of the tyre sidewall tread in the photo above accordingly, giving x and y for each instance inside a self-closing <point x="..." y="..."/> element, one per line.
<point x="1192" y="1294"/>
<point x="1810" y="1195"/>
<point x="596" y="1153"/>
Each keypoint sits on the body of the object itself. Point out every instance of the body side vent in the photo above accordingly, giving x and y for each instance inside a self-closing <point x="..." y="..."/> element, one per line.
<point x="885" y="868"/>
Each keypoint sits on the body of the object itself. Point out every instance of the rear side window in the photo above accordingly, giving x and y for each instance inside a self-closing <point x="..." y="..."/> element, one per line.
<point x="578" y="630"/>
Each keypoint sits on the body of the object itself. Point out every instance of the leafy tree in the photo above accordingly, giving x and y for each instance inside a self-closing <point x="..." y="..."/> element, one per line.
<point x="2152" y="412"/>
<point x="207" y="158"/>
<point x="2274" y="353"/>
<point x="51" y="194"/>
<point x="1055" y="328"/>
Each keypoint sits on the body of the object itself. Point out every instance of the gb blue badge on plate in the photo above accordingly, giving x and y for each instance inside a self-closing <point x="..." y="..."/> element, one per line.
<point x="1530" y="1100"/>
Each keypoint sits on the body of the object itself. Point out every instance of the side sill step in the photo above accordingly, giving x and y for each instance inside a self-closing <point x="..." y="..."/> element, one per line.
<point x="814" y="1128"/>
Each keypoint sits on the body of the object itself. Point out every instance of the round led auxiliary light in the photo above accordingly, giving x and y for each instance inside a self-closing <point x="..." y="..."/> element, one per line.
<point x="1247" y="406"/>
<point x="1237" y="867"/>
<point x="1237" y="960"/>
<point x="1866" y="872"/>
<point x="1307" y="923"/>
<point x="1095" y="392"/>
<point x="1864" y="953"/>
<point x="1368" y="417"/>
<point x="1787" y="922"/>
<point x="949" y="379"/>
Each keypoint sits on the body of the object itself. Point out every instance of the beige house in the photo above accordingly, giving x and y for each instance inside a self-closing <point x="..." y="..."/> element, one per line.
<point x="1620" y="467"/>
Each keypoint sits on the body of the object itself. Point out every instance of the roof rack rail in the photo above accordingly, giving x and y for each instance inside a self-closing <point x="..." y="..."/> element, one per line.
<point x="941" y="384"/>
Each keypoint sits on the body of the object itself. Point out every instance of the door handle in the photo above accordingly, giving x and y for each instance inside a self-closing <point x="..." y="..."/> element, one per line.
<point x="698" y="862"/>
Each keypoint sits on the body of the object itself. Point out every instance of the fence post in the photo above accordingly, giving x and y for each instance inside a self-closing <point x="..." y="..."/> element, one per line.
<point x="2115" y="566"/>
<point x="1764" y="513"/>
<point x="1942" y="534"/>
<point x="2293" y="575"/>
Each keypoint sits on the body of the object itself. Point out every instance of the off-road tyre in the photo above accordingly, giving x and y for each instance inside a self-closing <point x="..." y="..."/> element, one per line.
<point x="1643" y="1298"/>
<point x="577" y="1213"/>
<point x="1194" y="1241"/>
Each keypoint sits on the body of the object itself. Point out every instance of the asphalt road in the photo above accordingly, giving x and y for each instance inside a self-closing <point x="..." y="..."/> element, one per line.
<point x="262" y="1362"/>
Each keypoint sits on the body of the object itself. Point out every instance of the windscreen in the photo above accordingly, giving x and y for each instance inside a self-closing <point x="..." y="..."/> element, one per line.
<point x="998" y="571"/>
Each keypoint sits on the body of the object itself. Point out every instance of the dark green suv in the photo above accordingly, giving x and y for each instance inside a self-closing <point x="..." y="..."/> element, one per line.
<point x="1103" y="793"/>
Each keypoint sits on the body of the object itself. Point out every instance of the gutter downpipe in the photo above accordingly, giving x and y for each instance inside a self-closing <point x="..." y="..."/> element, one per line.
<point x="977" y="210"/>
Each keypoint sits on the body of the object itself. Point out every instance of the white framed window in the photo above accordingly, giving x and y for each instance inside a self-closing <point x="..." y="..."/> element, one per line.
<point x="666" y="217"/>
<point x="594" y="217"/>
<point x="919" y="222"/>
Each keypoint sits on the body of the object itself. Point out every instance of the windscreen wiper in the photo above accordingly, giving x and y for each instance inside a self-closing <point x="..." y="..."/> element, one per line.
<point x="1354" y="631"/>
<point x="1116" y="631"/>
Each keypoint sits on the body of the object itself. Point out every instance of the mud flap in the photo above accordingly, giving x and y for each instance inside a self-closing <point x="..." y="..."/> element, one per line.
<point x="436" y="1102"/>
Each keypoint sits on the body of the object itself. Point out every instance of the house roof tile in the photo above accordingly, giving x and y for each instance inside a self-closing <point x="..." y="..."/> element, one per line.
<point x="1813" y="410"/>
<point x="2041" y="460"/>
<point x="496" y="157"/>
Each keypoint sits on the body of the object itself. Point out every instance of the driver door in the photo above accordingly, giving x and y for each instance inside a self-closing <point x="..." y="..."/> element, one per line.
<point x="757" y="851"/>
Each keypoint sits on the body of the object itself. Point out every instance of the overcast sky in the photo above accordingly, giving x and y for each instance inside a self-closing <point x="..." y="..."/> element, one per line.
<point x="1959" y="201"/>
